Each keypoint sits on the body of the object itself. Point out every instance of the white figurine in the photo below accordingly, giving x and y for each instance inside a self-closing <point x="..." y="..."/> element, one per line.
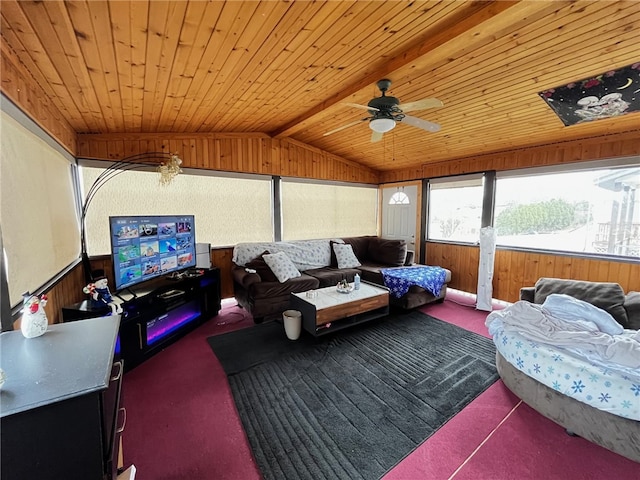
<point x="34" y="319"/>
<point x="100" y="294"/>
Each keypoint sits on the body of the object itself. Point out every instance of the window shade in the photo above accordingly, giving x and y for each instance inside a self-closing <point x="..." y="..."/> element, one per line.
<point x="313" y="210"/>
<point x="40" y="225"/>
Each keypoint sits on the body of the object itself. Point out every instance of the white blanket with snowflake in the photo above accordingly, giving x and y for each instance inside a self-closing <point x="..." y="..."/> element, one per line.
<point x="571" y="358"/>
<point x="534" y="322"/>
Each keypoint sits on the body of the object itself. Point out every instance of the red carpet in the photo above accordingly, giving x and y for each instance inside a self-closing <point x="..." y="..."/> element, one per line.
<point x="182" y="422"/>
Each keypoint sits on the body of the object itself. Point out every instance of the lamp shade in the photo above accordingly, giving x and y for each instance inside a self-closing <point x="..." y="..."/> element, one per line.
<point x="382" y="125"/>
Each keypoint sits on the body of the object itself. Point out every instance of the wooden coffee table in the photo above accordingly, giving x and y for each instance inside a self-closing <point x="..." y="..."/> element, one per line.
<point x="330" y="310"/>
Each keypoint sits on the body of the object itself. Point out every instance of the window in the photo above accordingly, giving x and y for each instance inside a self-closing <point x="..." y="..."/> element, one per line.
<point x="314" y="210"/>
<point x="399" y="198"/>
<point x="40" y="226"/>
<point x="227" y="209"/>
<point x="455" y="209"/>
<point x="588" y="211"/>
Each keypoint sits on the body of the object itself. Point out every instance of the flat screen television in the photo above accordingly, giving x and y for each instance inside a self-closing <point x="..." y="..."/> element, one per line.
<point x="145" y="247"/>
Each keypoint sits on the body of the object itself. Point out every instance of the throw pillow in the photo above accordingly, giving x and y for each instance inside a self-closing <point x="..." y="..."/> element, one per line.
<point x="261" y="268"/>
<point x="282" y="266"/>
<point x="345" y="256"/>
<point x="391" y="252"/>
<point x="334" y="261"/>
<point x="569" y="308"/>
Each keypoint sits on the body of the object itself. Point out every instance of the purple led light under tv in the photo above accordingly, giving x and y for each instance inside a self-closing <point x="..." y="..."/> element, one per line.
<point x="160" y="327"/>
<point x="145" y="247"/>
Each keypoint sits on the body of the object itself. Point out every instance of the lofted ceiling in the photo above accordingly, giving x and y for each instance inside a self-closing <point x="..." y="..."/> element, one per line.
<point x="286" y="68"/>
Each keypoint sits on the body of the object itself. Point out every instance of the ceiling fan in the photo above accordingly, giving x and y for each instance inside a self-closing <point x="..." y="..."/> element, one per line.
<point x="386" y="111"/>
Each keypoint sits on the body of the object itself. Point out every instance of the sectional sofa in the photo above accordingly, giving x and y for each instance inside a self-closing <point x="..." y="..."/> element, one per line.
<point x="260" y="292"/>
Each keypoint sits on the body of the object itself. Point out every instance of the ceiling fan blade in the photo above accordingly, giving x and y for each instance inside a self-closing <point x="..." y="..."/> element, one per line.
<point x="362" y="107"/>
<point x="376" y="136"/>
<point x="421" y="104"/>
<point x="344" y="126"/>
<point x="420" y="123"/>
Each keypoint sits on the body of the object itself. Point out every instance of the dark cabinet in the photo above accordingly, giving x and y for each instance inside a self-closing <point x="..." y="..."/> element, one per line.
<point x="60" y="409"/>
<point x="158" y="312"/>
<point x="165" y="311"/>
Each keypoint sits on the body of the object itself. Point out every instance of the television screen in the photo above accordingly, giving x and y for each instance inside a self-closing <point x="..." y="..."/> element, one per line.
<point x="146" y="247"/>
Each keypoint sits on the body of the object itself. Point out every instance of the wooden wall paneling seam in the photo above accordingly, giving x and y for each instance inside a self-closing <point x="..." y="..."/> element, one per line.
<point x="515" y="269"/>
<point x="218" y="48"/>
<point x="106" y="75"/>
<point x="315" y="54"/>
<point x="243" y="57"/>
<point x="281" y="52"/>
<point x="67" y="52"/>
<point x="563" y="152"/>
<point x="194" y="78"/>
<point x="121" y="32"/>
<point x="22" y="89"/>
<point x="477" y="68"/>
<point x="36" y="64"/>
<point x="192" y="41"/>
<point x="268" y="21"/>
<point x="139" y="17"/>
<point x="468" y="19"/>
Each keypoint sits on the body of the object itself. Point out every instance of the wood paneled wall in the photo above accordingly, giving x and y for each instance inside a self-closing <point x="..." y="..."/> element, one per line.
<point x="516" y="269"/>
<point x="20" y="87"/>
<point x="221" y="258"/>
<point x="65" y="292"/>
<point x="231" y="152"/>
<point x="512" y="270"/>
<point x="69" y="289"/>
<point x="612" y="146"/>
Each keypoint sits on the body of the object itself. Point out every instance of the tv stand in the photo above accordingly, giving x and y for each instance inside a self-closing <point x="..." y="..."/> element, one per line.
<point x="157" y="312"/>
<point x="160" y="311"/>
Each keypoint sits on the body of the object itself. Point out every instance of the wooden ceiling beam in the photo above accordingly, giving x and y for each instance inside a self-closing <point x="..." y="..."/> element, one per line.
<point x="470" y="17"/>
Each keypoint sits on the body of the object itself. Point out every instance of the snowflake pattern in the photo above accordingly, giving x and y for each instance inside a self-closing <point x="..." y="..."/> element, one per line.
<point x="578" y="386"/>
<point x="604" y="397"/>
<point x="399" y="280"/>
<point x="591" y="383"/>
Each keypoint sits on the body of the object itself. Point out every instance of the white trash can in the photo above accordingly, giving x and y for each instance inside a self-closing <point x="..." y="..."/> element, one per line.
<point x="292" y="323"/>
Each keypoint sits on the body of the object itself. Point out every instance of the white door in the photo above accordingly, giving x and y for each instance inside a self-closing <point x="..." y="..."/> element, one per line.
<point x="400" y="209"/>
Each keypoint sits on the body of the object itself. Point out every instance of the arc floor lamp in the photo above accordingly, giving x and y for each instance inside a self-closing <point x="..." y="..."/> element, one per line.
<point x="167" y="166"/>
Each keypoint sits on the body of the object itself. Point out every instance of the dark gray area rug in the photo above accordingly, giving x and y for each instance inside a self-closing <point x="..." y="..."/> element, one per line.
<point x="353" y="404"/>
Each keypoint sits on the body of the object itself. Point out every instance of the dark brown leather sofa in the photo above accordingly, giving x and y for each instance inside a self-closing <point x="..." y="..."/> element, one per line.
<point x="268" y="298"/>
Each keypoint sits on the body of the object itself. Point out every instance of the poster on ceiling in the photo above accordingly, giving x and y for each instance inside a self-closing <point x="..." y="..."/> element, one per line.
<point x="607" y="95"/>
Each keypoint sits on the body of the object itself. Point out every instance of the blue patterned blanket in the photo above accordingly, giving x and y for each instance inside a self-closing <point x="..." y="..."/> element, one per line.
<point x="399" y="280"/>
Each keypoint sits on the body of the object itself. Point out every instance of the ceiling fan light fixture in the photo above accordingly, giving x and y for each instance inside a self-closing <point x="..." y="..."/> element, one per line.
<point x="382" y="125"/>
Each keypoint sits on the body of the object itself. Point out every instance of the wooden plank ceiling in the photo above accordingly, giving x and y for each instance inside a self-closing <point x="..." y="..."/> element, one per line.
<point x="287" y="67"/>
